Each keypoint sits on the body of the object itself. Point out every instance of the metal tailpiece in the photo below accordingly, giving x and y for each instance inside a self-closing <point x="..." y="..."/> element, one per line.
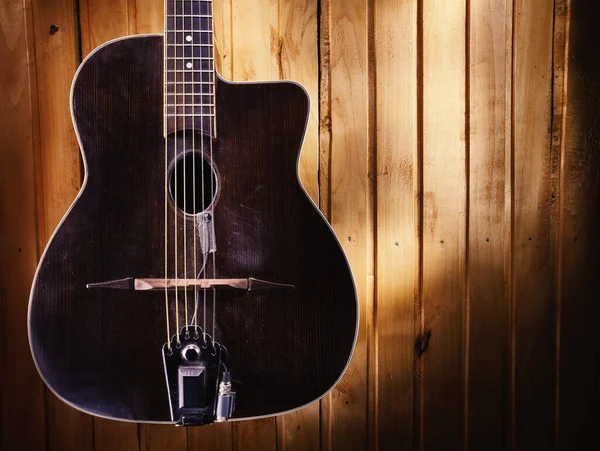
<point x="193" y="363"/>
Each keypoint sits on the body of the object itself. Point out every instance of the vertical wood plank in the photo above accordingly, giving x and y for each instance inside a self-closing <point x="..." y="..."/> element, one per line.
<point x="110" y="435"/>
<point x="490" y="57"/>
<point x="102" y="20"/>
<point x="579" y="334"/>
<point x="445" y="216"/>
<point x="535" y="227"/>
<point x="344" y="412"/>
<point x="22" y="401"/>
<point x="146" y="16"/>
<point x="255" y="31"/>
<point x="559" y="56"/>
<point x="397" y="210"/>
<point x="299" y="430"/>
<point x="324" y="111"/>
<point x="297" y="54"/>
<point x="217" y="437"/>
<point x="58" y="170"/>
<point x="222" y="17"/>
<point x="164" y="437"/>
<point x="255" y="435"/>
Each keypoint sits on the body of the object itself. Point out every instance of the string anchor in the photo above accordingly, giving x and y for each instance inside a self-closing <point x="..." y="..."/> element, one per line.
<point x="198" y="382"/>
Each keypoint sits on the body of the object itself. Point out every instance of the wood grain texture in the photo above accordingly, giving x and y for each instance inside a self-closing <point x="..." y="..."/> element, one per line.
<point x="345" y="410"/>
<point x="101" y="21"/>
<point x="535" y="228"/>
<point x="397" y="219"/>
<point x="222" y="18"/>
<point x="297" y="55"/>
<point x="115" y="435"/>
<point x="146" y="16"/>
<point x="299" y="430"/>
<point x="489" y="64"/>
<point x="579" y="376"/>
<point x="217" y="437"/>
<point x="445" y="216"/>
<point x="325" y="109"/>
<point x="22" y="400"/>
<point x="255" y="435"/>
<point x="162" y="438"/>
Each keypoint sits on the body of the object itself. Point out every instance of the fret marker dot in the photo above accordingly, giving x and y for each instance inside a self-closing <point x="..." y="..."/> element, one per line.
<point x="188" y="65"/>
<point x="188" y="38"/>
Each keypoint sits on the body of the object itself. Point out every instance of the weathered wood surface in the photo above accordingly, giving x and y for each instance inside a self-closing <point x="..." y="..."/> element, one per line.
<point x="475" y="123"/>
<point x="445" y="217"/>
<point x="488" y="281"/>
<point x="398" y="211"/>
<point x="535" y="220"/>
<point x="579" y="364"/>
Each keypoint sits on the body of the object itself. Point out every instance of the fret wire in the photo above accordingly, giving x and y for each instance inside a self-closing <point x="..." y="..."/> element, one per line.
<point x="188" y="105"/>
<point x="207" y="71"/>
<point x="187" y="16"/>
<point x="195" y="57"/>
<point x="189" y="115"/>
<point x="190" y="82"/>
<point x="173" y="83"/>
<point x="203" y="16"/>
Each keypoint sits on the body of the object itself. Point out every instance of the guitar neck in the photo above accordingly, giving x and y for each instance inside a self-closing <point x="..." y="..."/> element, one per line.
<point x="189" y="66"/>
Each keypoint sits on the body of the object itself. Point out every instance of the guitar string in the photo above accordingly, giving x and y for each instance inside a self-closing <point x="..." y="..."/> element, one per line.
<point x="176" y="131"/>
<point x="165" y="126"/>
<point x="176" y="228"/>
<point x="198" y="216"/>
<point x="204" y="206"/>
<point x="195" y="215"/>
<point x="185" y="251"/>
<point x="212" y="120"/>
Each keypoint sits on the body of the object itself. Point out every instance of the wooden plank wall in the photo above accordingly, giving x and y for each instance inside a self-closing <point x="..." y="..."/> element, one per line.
<point x="453" y="146"/>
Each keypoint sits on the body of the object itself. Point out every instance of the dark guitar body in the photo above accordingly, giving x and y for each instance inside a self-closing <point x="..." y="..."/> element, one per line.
<point x="100" y="350"/>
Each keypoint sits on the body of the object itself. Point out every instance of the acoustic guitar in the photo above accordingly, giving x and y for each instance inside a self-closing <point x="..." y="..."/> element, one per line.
<point x="192" y="280"/>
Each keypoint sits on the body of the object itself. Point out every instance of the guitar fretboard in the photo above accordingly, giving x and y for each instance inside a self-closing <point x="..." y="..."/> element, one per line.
<point x="189" y="66"/>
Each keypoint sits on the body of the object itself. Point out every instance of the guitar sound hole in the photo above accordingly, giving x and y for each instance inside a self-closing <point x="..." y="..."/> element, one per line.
<point x="190" y="197"/>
